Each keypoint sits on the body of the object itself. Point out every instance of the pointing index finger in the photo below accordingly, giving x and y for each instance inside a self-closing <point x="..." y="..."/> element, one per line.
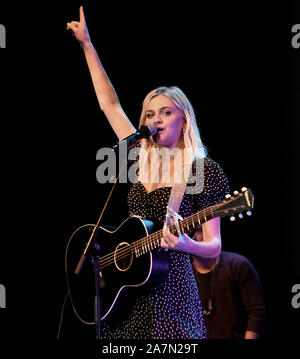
<point x="81" y="14"/>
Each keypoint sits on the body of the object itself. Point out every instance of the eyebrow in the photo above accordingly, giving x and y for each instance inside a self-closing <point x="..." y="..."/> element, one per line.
<point x="163" y="108"/>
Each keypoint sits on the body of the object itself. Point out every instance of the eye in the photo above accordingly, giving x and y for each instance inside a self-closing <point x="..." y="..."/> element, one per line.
<point x="149" y="115"/>
<point x="167" y="113"/>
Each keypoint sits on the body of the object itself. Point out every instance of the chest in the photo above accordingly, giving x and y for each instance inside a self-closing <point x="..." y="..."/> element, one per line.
<point x="153" y="205"/>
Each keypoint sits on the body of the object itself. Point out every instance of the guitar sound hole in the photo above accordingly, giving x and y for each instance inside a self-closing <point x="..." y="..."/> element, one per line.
<point x="123" y="256"/>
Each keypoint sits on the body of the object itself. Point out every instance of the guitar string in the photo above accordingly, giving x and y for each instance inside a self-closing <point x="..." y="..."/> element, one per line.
<point x="151" y="240"/>
<point x="146" y="241"/>
<point x="128" y="250"/>
<point x="189" y="221"/>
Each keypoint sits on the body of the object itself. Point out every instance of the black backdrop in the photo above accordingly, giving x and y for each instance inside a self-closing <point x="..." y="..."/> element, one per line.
<point x="236" y="64"/>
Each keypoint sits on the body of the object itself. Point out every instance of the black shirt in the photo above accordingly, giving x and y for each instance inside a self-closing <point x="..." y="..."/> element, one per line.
<point x="236" y="295"/>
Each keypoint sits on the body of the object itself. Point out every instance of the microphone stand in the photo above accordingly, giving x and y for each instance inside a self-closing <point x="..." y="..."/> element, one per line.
<point x="93" y="249"/>
<point x="97" y="308"/>
<point x="95" y="255"/>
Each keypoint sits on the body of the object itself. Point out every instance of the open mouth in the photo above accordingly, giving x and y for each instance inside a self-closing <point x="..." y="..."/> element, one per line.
<point x="158" y="133"/>
<point x="159" y="130"/>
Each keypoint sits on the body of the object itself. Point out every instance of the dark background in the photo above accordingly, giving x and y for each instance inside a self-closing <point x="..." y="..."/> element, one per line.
<point x="235" y="63"/>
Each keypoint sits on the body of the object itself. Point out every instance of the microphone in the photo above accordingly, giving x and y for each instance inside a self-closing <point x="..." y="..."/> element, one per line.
<point x="143" y="132"/>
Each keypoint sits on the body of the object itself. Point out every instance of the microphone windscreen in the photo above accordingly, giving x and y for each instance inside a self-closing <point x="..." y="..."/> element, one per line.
<point x="152" y="129"/>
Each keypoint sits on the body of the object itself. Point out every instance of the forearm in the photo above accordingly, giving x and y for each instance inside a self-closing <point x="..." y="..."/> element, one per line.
<point x="251" y="335"/>
<point x="106" y="95"/>
<point x="207" y="249"/>
<point x="105" y="92"/>
<point x="206" y="244"/>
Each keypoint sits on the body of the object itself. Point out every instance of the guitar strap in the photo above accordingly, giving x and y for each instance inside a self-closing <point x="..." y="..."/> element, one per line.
<point x="177" y="192"/>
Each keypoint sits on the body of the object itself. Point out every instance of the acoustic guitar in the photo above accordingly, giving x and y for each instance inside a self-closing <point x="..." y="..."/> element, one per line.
<point x="130" y="258"/>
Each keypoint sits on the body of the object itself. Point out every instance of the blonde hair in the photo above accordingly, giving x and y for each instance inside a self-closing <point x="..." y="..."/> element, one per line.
<point x="192" y="137"/>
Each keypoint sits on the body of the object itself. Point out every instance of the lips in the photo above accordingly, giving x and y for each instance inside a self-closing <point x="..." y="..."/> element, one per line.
<point x="159" y="129"/>
<point x="159" y="132"/>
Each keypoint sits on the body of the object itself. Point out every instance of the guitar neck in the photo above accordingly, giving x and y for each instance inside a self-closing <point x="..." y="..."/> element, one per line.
<point x="231" y="205"/>
<point x="153" y="241"/>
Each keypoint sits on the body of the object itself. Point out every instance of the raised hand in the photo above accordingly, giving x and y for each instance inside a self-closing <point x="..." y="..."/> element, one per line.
<point x="79" y="28"/>
<point x="106" y="94"/>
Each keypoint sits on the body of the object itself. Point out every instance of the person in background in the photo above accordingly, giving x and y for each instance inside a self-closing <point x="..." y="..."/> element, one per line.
<point x="231" y="294"/>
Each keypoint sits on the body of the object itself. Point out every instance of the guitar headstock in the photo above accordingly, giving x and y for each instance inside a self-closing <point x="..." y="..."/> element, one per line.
<point x="237" y="203"/>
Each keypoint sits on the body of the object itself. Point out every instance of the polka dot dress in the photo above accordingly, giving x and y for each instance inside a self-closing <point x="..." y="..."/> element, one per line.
<point x="171" y="310"/>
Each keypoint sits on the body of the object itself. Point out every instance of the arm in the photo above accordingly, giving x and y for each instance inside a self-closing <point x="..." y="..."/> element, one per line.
<point x="106" y="95"/>
<point x="205" y="244"/>
<point x="208" y="247"/>
<point x="252" y="297"/>
<point x="251" y="335"/>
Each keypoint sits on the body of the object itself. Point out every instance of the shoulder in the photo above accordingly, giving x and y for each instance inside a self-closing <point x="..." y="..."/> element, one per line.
<point x="234" y="259"/>
<point x="213" y="167"/>
<point x="209" y="166"/>
<point x="238" y="264"/>
<point x="215" y="177"/>
<point x="208" y="181"/>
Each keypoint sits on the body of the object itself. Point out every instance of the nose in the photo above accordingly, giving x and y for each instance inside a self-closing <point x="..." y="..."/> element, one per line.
<point x="157" y="120"/>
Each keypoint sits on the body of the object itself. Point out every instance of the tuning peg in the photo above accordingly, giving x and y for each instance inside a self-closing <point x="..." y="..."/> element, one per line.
<point x="232" y="218"/>
<point x="244" y="189"/>
<point x="241" y="215"/>
<point x="228" y="196"/>
<point x="249" y="213"/>
<point x="236" y="192"/>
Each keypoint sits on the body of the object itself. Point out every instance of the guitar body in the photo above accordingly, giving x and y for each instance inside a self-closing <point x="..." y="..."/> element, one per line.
<point x="123" y="274"/>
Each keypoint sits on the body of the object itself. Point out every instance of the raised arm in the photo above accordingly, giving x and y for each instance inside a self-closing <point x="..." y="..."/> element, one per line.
<point x="106" y="95"/>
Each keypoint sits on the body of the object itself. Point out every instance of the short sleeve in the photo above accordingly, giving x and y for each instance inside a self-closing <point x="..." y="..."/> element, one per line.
<point x="219" y="185"/>
<point x="215" y="186"/>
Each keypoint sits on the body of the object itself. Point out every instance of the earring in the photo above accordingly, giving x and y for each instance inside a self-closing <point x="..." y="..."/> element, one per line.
<point x="183" y="132"/>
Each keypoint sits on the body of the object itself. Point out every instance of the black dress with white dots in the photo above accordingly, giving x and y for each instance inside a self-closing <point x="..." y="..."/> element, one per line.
<point x="171" y="310"/>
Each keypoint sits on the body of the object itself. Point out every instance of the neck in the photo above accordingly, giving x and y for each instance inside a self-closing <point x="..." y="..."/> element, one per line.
<point x="204" y="265"/>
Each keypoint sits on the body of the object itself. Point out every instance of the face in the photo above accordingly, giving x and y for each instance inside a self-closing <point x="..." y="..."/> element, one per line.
<point x="168" y="119"/>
